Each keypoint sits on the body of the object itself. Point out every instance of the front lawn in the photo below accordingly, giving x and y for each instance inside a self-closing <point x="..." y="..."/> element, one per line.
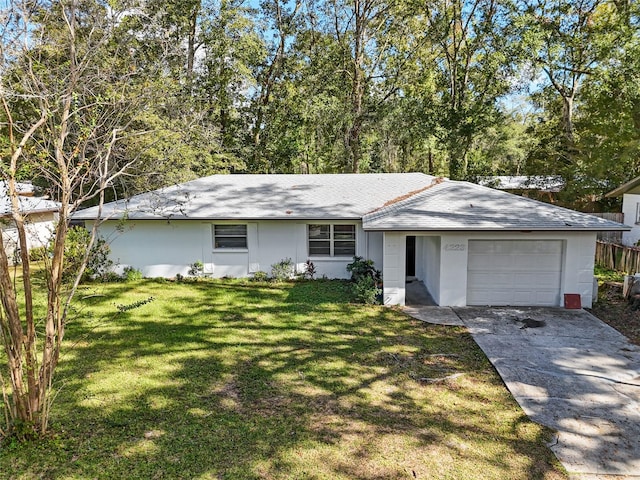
<point x="234" y="380"/>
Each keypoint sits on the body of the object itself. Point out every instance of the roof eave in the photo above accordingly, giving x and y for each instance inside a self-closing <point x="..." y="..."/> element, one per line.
<point x="621" y="190"/>
<point x="133" y="218"/>
<point x="32" y="212"/>
<point x="496" y="229"/>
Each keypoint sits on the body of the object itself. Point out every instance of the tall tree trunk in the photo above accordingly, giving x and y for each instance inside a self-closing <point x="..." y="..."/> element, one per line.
<point x="20" y="346"/>
<point x="567" y="121"/>
<point x="270" y="75"/>
<point x="431" y="166"/>
<point x="191" y="40"/>
<point x="357" y="89"/>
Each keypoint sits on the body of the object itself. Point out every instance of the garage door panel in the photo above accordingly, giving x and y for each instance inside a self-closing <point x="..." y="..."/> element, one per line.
<point x="487" y="262"/>
<point x="542" y="280"/>
<point x="488" y="297"/>
<point x="550" y="298"/>
<point x="523" y="297"/>
<point x="514" y="272"/>
<point x="517" y="298"/>
<point x="545" y="246"/>
<point x="535" y="262"/>
<point x="488" y="277"/>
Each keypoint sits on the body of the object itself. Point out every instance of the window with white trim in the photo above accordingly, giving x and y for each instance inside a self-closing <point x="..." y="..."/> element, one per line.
<point x="327" y="240"/>
<point x="229" y="236"/>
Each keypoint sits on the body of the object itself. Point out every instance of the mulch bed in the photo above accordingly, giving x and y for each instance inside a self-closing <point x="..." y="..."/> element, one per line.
<point x="611" y="308"/>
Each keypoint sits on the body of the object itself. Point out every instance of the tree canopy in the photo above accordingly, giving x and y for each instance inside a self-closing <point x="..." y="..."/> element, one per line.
<point x="377" y="85"/>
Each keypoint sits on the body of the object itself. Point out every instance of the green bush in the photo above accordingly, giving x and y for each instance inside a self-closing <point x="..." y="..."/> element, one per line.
<point x="365" y="280"/>
<point x="260" y="276"/>
<point x="283" y="270"/>
<point x="196" y="269"/>
<point x="110" y="277"/>
<point x="361" y="268"/>
<point x="75" y="246"/>
<point x="131" y="274"/>
<point x="37" y="254"/>
<point x="365" y="290"/>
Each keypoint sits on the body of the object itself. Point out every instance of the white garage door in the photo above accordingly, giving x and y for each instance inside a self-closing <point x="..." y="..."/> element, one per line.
<point x="514" y="272"/>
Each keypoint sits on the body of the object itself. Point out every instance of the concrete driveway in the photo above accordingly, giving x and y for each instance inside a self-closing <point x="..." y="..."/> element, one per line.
<point x="573" y="373"/>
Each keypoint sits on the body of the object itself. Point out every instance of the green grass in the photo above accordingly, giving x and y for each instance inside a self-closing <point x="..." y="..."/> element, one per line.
<point x="607" y="275"/>
<point x="233" y="380"/>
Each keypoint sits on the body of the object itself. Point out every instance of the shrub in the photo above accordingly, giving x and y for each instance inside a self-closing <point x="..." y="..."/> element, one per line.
<point x="131" y="274"/>
<point x="366" y="280"/>
<point x="75" y="246"/>
<point x="283" y="270"/>
<point x="365" y="290"/>
<point x="196" y="269"/>
<point x="309" y="270"/>
<point x="37" y="254"/>
<point x="360" y="268"/>
<point x="110" y="277"/>
<point x="260" y="276"/>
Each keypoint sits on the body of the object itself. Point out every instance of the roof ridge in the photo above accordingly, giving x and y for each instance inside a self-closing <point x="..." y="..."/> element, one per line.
<point x="407" y="196"/>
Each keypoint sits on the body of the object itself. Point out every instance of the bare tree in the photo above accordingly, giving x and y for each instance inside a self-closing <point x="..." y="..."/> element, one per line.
<point x="66" y="100"/>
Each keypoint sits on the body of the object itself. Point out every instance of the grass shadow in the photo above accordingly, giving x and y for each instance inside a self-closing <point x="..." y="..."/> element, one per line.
<point x="238" y="380"/>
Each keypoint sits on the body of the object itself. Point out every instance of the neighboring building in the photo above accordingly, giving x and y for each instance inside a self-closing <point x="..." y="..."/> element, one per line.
<point x="539" y="187"/>
<point x="471" y="245"/>
<point x="630" y="192"/>
<point x="40" y="214"/>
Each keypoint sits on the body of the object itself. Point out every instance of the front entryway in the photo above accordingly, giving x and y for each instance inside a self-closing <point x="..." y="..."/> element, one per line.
<point x="416" y="294"/>
<point x="411" y="257"/>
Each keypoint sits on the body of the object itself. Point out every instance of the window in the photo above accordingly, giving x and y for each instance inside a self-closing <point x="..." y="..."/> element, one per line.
<point x="637" y="213"/>
<point x="332" y="240"/>
<point x="230" y="236"/>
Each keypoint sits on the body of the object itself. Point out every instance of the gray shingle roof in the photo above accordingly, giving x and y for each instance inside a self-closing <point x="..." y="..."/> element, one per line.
<point x="246" y="197"/>
<point x="409" y="201"/>
<point x="455" y="206"/>
<point x="27" y="204"/>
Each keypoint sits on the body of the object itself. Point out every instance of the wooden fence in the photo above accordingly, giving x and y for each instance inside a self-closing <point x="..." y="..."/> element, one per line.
<point x="610" y="237"/>
<point x="618" y="257"/>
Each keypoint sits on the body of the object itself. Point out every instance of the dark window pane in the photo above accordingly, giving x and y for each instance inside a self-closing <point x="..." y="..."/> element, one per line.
<point x="231" y="242"/>
<point x="322" y="247"/>
<point x="231" y="230"/>
<point x="344" y="232"/>
<point x="319" y="232"/>
<point x="344" y="249"/>
<point x="230" y="236"/>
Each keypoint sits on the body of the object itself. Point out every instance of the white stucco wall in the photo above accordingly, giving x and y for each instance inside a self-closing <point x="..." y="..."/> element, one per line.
<point x="577" y="268"/>
<point x="630" y="203"/>
<point x="39" y="229"/>
<point x="375" y="248"/>
<point x="393" y="271"/>
<point x="164" y="249"/>
<point x="168" y="248"/>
